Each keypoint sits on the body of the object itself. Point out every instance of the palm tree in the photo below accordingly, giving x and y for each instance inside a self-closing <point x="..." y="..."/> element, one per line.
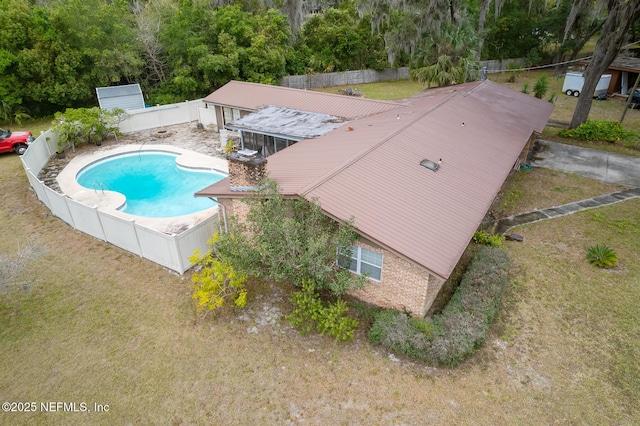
<point x="447" y="56"/>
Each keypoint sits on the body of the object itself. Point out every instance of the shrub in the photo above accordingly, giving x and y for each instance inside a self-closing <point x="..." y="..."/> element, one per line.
<point x="602" y="256"/>
<point x="310" y="313"/>
<point x="400" y="333"/>
<point x="90" y="125"/>
<point x="493" y="240"/>
<point x="525" y="87"/>
<point x="289" y="239"/>
<point x="541" y="87"/>
<point x="217" y="284"/>
<point x="462" y="326"/>
<point x="596" y="130"/>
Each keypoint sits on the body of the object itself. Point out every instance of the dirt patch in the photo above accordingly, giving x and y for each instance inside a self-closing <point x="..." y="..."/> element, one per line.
<point x="13" y="266"/>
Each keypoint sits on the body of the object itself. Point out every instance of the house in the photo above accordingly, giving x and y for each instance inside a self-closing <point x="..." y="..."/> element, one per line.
<point x="624" y="71"/>
<point x="418" y="176"/>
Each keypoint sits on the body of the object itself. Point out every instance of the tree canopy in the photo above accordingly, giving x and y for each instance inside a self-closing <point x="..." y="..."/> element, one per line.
<point x="54" y="53"/>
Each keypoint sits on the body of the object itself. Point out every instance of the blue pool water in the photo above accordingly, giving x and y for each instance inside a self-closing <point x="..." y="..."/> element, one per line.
<point x="152" y="182"/>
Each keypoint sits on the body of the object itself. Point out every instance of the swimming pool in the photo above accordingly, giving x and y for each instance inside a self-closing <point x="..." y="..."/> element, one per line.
<point x="153" y="184"/>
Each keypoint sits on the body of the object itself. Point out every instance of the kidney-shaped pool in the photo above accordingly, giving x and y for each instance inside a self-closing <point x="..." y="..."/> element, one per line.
<point x="153" y="183"/>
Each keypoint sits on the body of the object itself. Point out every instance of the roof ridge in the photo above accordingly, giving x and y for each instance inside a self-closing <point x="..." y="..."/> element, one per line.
<point x="355" y="158"/>
<point x="316" y="93"/>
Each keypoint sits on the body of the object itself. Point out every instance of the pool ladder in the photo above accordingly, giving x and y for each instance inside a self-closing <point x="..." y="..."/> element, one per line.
<point x="100" y="186"/>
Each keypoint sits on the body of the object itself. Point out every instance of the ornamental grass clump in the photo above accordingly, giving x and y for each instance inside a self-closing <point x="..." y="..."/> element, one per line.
<point x="602" y="256"/>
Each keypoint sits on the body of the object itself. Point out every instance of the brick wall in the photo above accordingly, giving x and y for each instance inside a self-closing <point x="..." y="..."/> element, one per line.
<point x="246" y="173"/>
<point x="404" y="286"/>
<point x="235" y="207"/>
<point x="527" y="151"/>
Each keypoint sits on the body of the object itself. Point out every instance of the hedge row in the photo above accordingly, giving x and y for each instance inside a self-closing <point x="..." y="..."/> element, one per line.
<point x="461" y="327"/>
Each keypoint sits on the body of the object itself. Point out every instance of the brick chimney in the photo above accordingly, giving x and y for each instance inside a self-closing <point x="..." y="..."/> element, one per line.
<point x="246" y="170"/>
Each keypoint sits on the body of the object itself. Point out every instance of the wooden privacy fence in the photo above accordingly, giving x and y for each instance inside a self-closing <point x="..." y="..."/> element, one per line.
<point x="351" y="78"/>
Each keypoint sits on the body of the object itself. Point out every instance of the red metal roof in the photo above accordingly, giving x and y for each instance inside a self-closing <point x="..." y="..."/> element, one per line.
<point x="369" y="169"/>
<point x="253" y="96"/>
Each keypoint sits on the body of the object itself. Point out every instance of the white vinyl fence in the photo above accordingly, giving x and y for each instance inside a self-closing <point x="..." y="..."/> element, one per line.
<point x="170" y="251"/>
<point x="160" y="116"/>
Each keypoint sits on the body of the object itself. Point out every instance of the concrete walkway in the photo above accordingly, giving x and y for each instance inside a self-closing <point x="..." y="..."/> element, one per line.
<point x="586" y="162"/>
<point x="590" y="163"/>
<point x="503" y="225"/>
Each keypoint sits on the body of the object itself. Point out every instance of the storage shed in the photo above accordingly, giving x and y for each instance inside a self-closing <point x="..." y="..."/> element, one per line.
<point x="126" y="97"/>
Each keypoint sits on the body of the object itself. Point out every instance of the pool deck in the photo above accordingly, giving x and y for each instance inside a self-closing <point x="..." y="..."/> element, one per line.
<point x="109" y="201"/>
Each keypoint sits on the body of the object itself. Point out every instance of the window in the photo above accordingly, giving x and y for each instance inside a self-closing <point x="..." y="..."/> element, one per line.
<point x="230" y="114"/>
<point x="362" y="262"/>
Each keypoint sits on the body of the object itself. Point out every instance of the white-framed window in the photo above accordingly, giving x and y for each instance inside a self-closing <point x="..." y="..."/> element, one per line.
<point x="361" y="261"/>
<point x="230" y="114"/>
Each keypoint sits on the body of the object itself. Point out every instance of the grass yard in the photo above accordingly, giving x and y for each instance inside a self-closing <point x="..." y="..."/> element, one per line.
<point x="85" y="322"/>
<point x="82" y="321"/>
<point x="611" y="109"/>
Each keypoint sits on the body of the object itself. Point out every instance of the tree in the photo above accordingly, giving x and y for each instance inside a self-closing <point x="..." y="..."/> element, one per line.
<point x="340" y="40"/>
<point x="411" y="20"/>
<point x="148" y="21"/>
<point x="446" y="56"/>
<point x="206" y="47"/>
<point x="288" y="239"/>
<point x="621" y="15"/>
<point x="514" y="30"/>
<point x="54" y="56"/>
<point x="576" y="22"/>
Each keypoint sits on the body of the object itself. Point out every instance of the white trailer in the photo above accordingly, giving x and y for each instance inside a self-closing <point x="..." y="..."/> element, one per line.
<point x="574" y="81"/>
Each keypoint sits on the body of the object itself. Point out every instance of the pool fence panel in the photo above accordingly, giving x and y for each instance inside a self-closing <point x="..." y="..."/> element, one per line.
<point x="120" y="232"/>
<point x="208" y="119"/>
<point x="58" y="205"/>
<point x="86" y="219"/>
<point x="170" y="251"/>
<point x="196" y="238"/>
<point x="159" y="248"/>
<point x="160" y="116"/>
<point x="38" y="187"/>
<point x="40" y="151"/>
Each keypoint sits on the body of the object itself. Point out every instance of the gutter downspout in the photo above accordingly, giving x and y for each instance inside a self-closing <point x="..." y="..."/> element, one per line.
<point x="224" y="214"/>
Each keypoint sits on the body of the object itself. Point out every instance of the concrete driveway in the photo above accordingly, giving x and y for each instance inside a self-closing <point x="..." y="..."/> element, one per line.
<point x="587" y="162"/>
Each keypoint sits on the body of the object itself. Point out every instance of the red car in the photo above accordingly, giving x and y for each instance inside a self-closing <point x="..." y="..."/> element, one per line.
<point x="17" y="142"/>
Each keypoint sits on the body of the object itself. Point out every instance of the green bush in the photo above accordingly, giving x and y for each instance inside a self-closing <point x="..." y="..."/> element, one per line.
<point x="86" y="125"/>
<point x="597" y="130"/>
<point x="310" y="313"/>
<point x="602" y="256"/>
<point x="462" y="326"/>
<point x="398" y="332"/>
<point x="493" y="240"/>
<point x="525" y="87"/>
